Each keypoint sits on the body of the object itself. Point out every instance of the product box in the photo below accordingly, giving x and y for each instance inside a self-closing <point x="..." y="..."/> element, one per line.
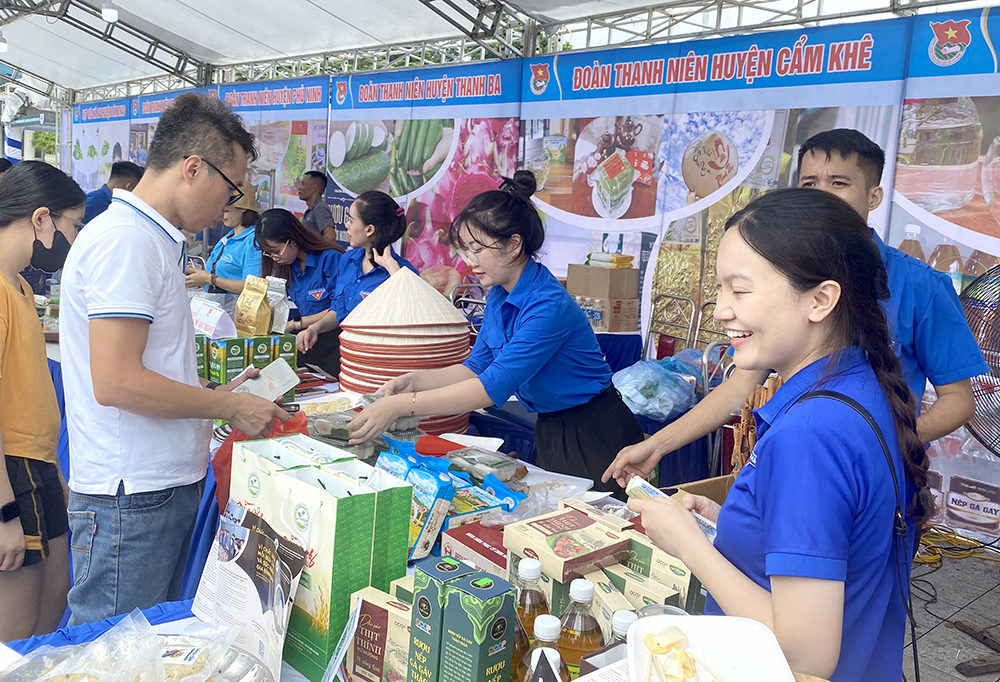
<point x="402" y="589"/>
<point x="650" y="561"/>
<point x="477" y="641"/>
<point x="283" y="346"/>
<point x="607" y="599"/>
<point x="556" y="592"/>
<point x="482" y="545"/>
<point x="595" y="282"/>
<point x="567" y="542"/>
<point x="618" y="314"/>
<point x="619" y="524"/>
<point x="201" y="356"/>
<point x="469" y="505"/>
<point x="228" y="357"/>
<point x="381" y="641"/>
<point x="639" y="245"/>
<point x="432" y="496"/>
<point x="431" y="577"/>
<point x="259" y="351"/>
<point x="640" y="590"/>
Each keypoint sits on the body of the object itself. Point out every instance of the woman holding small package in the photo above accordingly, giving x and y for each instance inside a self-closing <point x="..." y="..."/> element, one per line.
<point x="374" y="222"/>
<point x="309" y="265"/>
<point x="809" y="540"/>
<point x="535" y="342"/>
<point x="237" y="255"/>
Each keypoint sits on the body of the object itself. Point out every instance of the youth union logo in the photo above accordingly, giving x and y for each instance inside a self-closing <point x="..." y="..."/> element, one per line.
<point x="539" y="78"/>
<point x="951" y="40"/>
<point x="341" y="92"/>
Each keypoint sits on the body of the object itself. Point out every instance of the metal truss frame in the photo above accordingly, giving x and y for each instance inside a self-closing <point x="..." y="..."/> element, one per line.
<point x="48" y="89"/>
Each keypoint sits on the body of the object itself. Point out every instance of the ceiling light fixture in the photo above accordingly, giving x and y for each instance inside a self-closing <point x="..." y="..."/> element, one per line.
<point x="3" y="43"/>
<point x="109" y="12"/>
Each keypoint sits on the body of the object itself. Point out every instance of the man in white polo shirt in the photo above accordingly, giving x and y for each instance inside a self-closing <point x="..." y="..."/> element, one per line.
<point x="138" y="414"/>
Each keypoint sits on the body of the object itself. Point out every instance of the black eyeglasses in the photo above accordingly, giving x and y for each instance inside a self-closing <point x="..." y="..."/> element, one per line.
<point x="239" y="193"/>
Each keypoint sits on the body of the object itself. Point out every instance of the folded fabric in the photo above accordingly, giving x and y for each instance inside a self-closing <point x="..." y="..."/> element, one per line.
<point x="614" y="261"/>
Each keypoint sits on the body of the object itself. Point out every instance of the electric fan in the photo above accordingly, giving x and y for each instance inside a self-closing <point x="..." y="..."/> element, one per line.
<point x="981" y="303"/>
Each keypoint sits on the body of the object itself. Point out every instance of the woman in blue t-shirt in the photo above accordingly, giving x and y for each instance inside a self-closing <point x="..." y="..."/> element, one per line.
<point x="236" y="255"/>
<point x="374" y="222"/>
<point x="535" y="342"/>
<point x="806" y="542"/>
<point x="309" y="264"/>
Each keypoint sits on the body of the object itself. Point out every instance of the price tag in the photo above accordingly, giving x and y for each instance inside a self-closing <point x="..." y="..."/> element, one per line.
<point x="211" y="320"/>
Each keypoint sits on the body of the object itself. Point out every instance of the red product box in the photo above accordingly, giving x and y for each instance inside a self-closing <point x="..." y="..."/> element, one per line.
<point x="482" y="545"/>
<point x="642" y="162"/>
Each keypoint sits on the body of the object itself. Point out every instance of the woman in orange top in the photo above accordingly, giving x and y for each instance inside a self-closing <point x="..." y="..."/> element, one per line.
<point x="41" y="209"/>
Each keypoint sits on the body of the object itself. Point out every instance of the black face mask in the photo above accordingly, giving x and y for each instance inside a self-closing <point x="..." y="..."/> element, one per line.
<point x="52" y="258"/>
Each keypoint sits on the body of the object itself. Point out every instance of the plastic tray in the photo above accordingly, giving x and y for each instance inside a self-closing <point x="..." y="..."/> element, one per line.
<point x="738" y="649"/>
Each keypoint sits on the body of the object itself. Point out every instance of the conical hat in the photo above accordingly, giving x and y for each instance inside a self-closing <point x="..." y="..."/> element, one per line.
<point x="404" y="300"/>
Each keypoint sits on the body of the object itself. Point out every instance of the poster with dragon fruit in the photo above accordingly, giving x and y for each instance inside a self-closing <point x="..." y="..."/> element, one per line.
<point x="430" y="138"/>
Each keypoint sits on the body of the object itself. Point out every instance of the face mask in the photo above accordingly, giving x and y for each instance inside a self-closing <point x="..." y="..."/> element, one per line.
<point x="50" y="259"/>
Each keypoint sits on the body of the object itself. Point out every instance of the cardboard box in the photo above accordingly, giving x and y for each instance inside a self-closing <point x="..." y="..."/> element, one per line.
<point x="640" y="590"/>
<point x="381" y="642"/>
<point x="477" y="641"/>
<point x="649" y="561"/>
<point x="228" y="357"/>
<point x="595" y="282"/>
<point x="619" y="524"/>
<point x="639" y="245"/>
<point x="556" y="592"/>
<point x="607" y="599"/>
<point x="567" y="542"/>
<point x="714" y="489"/>
<point x="402" y="589"/>
<point x="618" y="314"/>
<point x="482" y="545"/>
<point x="431" y="577"/>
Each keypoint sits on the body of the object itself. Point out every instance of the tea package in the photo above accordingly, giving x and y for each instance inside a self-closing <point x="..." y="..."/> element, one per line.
<point x="253" y="312"/>
<point x="277" y="298"/>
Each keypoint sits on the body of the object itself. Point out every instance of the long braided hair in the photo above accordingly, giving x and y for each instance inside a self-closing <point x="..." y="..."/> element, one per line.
<point x="811" y="236"/>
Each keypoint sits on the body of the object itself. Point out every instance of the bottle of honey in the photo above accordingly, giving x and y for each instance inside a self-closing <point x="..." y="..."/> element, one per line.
<point x="581" y="633"/>
<point x="530" y="598"/>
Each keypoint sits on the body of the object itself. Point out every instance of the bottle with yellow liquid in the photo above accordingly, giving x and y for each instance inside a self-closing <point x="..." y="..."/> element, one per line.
<point x="978" y="263"/>
<point x="522" y="645"/>
<point x="547" y="631"/>
<point x="555" y="663"/>
<point x="946" y="258"/>
<point x="911" y="244"/>
<point x="531" y="601"/>
<point x="581" y="633"/>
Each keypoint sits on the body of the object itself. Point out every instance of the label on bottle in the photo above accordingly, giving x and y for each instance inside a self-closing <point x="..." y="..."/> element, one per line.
<point x="974" y="503"/>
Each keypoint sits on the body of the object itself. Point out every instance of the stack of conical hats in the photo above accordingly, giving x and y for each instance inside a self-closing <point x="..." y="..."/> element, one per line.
<point x="403" y="326"/>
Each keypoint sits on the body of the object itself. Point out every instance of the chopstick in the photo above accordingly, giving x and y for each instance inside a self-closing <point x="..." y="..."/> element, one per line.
<point x="717" y="676"/>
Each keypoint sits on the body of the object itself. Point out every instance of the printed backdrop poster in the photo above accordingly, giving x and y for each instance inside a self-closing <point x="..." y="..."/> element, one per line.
<point x="100" y="137"/>
<point x="146" y="111"/>
<point x="289" y="121"/>
<point x="432" y="139"/>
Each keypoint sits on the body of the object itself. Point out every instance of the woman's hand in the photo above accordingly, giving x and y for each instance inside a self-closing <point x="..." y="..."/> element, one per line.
<point x="635" y="460"/>
<point x="11" y="545"/>
<point x="386" y="260"/>
<point x="702" y="505"/>
<point x="291" y="328"/>
<point x="197" y="278"/>
<point x="307" y="339"/>
<point x="374" y="419"/>
<point x="670" y="525"/>
<point x="403" y="384"/>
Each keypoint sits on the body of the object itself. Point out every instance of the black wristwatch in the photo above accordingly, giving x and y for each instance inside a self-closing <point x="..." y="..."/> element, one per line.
<point x="10" y="511"/>
<point x="212" y="385"/>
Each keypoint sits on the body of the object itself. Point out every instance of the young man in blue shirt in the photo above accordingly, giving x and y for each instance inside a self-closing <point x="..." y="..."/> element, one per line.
<point x="124" y="175"/>
<point x="931" y="336"/>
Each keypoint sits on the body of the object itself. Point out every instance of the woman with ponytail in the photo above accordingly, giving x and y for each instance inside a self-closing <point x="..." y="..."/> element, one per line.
<point x="535" y="342"/>
<point x="41" y="209"/>
<point x="807" y="540"/>
<point x="374" y="222"/>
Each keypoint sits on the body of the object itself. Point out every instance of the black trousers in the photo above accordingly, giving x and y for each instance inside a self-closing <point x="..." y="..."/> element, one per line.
<point x="584" y="440"/>
<point x="325" y="354"/>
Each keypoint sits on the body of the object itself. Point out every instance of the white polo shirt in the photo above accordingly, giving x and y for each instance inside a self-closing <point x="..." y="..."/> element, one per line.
<point x="129" y="262"/>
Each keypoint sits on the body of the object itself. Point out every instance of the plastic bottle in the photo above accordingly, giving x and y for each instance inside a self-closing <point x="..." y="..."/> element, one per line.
<point x="912" y="245"/>
<point x="547" y="631"/>
<point x="522" y="645"/>
<point x="581" y="633"/>
<point x="946" y="258"/>
<point x="975" y="265"/>
<point x="597" y="321"/>
<point x="588" y="310"/>
<point x="555" y="662"/>
<point x="620" y="622"/>
<point x="530" y="598"/>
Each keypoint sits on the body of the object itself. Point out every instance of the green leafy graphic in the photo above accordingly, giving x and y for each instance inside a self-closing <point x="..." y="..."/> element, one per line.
<point x="481" y="614"/>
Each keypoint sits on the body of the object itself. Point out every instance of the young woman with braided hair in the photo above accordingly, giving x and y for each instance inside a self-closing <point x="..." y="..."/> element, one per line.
<point x="807" y="539"/>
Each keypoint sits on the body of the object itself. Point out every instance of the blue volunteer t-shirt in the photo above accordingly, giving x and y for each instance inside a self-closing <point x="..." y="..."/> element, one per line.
<point x="536" y="342"/>
<point x="97" y="203"/>
<point x="313" y="288"/>
<point x="816" y="500"/>
<point x="353" y="284"/>
<point x="931" y="336"/>
<point x="235" y="256"/>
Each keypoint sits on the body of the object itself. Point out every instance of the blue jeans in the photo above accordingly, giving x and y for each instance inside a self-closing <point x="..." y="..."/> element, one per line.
<point x="129" y="550"/>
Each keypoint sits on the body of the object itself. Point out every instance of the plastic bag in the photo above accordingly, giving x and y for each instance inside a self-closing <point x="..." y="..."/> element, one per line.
<point x="653" y="391"/>
<point x="222" y="463"/>
<point x="192" y="657"/>
<point x="278" y="300"/>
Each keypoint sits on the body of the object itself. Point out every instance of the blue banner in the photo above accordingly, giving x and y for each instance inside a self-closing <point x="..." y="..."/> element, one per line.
<point x="95" y="112"/>
<point x="295" y="94"/>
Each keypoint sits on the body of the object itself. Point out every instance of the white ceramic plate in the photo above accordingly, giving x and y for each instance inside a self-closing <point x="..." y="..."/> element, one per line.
<point x="738" y="649"/>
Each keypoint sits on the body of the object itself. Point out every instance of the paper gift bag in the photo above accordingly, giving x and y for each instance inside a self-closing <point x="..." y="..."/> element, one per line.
<point x="392" y="501"/>
<point x="334" y="520"/>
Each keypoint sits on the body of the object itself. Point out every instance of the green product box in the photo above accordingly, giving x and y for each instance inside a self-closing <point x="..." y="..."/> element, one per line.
<point x="283" y="346"/>
<point x="261" y="352"/>
<point x="228" y="359"/>
<point x="477" y="641"/>
<point x="640" y="590"/>
<point x="650" y="561"/>
<point x="431" y="577"/>
<point x="402" y="589"/>
<point x="200" y="355"/>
